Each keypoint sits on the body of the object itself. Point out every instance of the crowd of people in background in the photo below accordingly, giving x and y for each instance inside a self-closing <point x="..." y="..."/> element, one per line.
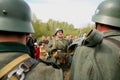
<point x="41" y="43"/>
<point x="92" y="56"/>
<point x="38" y="48"/>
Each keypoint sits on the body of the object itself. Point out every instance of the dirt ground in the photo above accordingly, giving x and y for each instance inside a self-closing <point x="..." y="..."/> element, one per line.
<point x="66" y="74"/>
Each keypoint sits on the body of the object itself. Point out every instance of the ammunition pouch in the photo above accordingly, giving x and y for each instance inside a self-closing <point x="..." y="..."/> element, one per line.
<point x="63" y="57"/>
<point x="60" y="56"/>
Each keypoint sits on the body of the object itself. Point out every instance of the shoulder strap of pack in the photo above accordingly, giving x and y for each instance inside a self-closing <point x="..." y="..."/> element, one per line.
<point x="62" y="43"/>
<point x="20" y="71"/>
<point x="50" y="64"/>
<point x="16" y="69"/>
<point x="12" y="64"/>
<point x="54" y="42"/>
<point x="114" y="41"/>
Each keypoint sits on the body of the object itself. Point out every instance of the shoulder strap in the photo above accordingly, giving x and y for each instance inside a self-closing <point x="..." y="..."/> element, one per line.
<point x="54" y="47"/>
<point x="62" y="43"/>
<point x="114" y="41"/>
<point x="12" y="64"/>
<point x="20" y="71"/>
<point x="50" y="64"/>
<point x="54" y="43"/>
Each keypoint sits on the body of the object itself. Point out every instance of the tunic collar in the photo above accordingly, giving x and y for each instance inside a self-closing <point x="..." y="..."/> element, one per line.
<point x="13" y="47"/>
<point x="58" y="38"/>
<point x="112" y="33"/>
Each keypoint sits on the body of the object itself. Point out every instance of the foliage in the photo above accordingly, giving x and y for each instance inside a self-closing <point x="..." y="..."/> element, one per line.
<point x="86" y="29"/>
<point x="48" y="28"/>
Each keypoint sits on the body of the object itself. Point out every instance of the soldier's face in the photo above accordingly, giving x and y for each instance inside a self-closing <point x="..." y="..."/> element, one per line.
<point x="59" y="34"/>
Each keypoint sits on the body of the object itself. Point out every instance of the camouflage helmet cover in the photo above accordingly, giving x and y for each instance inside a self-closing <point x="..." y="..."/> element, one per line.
<point x="15" y="16"/>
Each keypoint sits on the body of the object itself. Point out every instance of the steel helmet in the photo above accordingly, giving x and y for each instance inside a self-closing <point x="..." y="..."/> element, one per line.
<point x="58" y="29"/>
<point x="73" y="45"/>
<point x="108" y="12"/>
<point x="15" y="16"/>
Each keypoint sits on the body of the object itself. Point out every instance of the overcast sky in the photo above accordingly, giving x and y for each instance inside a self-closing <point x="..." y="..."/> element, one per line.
<point x="76" y="12"/>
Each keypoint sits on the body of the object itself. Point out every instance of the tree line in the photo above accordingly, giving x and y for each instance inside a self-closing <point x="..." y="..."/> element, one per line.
<point x="48" y="28"/>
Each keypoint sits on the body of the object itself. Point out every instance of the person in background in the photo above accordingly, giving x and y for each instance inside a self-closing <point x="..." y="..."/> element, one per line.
<point x="44" y="40"/>
<point x="30" y="43"/>
<point x="69" y="38"/>
<point x="43" y="53"/>
<point x="98" y="56"/>
<point x="49" y="38"/>
<point x="57" y="49"/>
<point x="84" y="36"/>
<point x="37" y="51"/>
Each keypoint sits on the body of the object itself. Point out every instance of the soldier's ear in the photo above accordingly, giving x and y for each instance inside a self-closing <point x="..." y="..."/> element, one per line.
<point x="96" y="25"/>
<point x="93" y="38"/>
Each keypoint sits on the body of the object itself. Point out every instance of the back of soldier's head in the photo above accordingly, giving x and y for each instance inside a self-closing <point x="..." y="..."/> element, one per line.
<point x="15" y="16"/>
<point x="108" y="12"/>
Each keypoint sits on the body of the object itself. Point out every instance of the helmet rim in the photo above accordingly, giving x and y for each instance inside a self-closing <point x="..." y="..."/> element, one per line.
<point x="15" y="25"/>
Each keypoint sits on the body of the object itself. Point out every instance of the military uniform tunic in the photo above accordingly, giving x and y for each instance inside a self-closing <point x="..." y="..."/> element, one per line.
<point x="100" y="62"/>
<point x="59" y="44"/>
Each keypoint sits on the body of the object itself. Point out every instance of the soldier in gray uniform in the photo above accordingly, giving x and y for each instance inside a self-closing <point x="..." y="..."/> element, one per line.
<point x="57" y="49"/>
<point x="15" y="63"/>
<point x="98" y="56"/>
